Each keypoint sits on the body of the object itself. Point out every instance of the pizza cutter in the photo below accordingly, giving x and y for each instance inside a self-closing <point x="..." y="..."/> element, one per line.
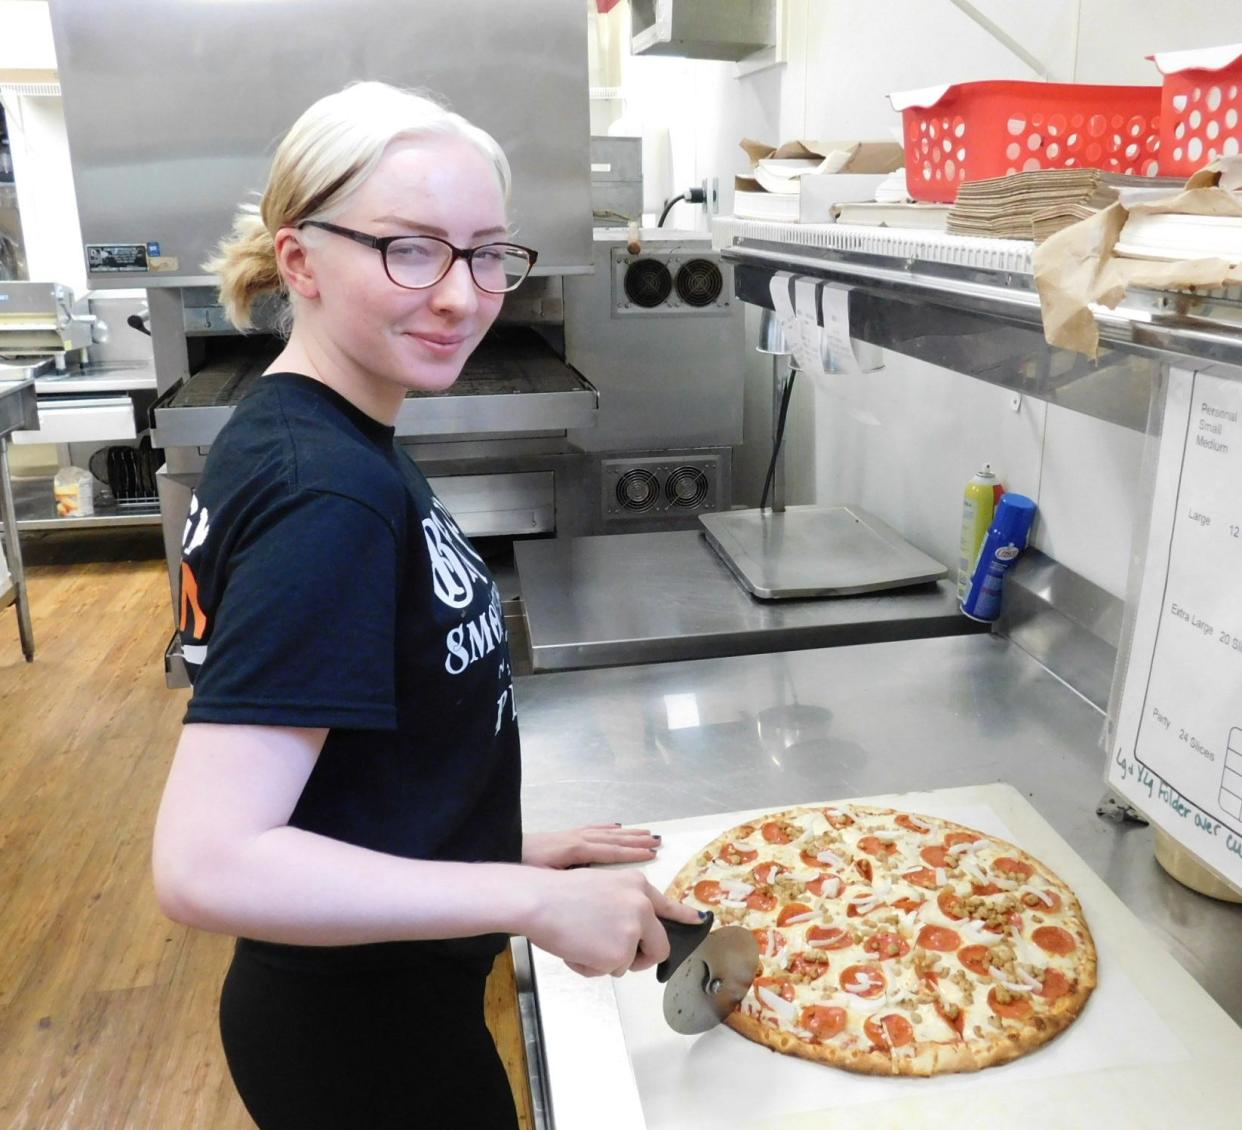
<point x="706" y="973"/>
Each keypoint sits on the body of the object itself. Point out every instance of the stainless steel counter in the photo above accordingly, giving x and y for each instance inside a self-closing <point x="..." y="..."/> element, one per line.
<point x="643" y="598"/>
<point x="717" y="735"/>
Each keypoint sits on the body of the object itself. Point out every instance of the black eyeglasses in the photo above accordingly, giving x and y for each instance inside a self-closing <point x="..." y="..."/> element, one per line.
<point x="416" y="262"/>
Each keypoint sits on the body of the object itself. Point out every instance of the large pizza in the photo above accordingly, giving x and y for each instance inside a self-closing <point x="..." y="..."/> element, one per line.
<point x="892" y="943"/>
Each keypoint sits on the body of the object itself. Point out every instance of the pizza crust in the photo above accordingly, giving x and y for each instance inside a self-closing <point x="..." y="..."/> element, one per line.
<point x="852" y="1050"/>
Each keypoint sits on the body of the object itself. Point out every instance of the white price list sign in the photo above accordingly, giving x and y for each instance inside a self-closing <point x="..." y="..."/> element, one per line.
<point x="1177" y="755"/>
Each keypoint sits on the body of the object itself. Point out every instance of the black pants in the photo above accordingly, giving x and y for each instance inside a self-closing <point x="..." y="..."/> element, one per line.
<point x="390" y="1049"/>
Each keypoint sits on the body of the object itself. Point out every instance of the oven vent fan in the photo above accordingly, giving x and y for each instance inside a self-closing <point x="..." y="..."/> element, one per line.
<point x="699" y="282"/>
<point x="648" y="283"/>
<point x="637" y="490"/>
<point x="686" y="488"/>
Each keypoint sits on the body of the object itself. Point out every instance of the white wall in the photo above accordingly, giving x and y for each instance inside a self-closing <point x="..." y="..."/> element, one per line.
<point x="904" y="440"/>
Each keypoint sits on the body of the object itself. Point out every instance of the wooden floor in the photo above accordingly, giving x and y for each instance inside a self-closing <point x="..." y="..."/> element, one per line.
<point x="107" y="1010"/>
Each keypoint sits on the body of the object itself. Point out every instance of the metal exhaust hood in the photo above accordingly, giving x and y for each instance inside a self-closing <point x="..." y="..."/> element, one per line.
<point x="703" y="29"/>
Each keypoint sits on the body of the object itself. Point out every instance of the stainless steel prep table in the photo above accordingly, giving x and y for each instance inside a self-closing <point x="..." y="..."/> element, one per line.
<point x="716" y="735"/>
<point x="643" y="598"/>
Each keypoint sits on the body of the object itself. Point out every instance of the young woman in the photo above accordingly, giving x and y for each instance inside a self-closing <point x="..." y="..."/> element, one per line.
<point x="344" y="797"/>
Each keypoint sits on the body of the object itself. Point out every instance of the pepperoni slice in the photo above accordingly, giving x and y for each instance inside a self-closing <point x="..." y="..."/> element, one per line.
<point x="984" y="889"/>
<point x="881" y="849"/>
<point x="975" y="958"/>
<point x="955" y="838"/>
<point x="865" y="981"/>
<point x="811" y="966"/>
<point x="935" y="856"/>
<point x="736" y="856"/>
<point x="708" y="891"/>
<point x="780" y="832"/>
<point x="764" y="873"/>
<point x="823" y="1021"/>
<point x="1017" y="1009"/>
<point x="744" y="830"/>
<point x="1033" y="900"/>
<point x="830" y="937"/>
<point x="763" y="900"/>
<point x="781" y="986"/>
<point x="838" y="819"/>
<point x="953" y="1015"/>
<point x="910" y="826"/>
<point x="1052" y="939"/>
<point x="950" y="904"/>
<point x="939" y="938"/>
<point x="1014" y="868"/>
<point x="863" y="867"/>
<point x="890" y="1031"/>
<point x="885" y="944"/>
<point x="791" y="910"/>
<point x="907" y="904"/>
<point x="924" y="877"/>
<point x="763" y="936"/>
<point x="1056" y="985"/>
<point x="816" y="886"/>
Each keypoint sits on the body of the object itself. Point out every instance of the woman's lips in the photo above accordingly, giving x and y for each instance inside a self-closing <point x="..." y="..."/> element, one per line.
<point x="439" y="345"/>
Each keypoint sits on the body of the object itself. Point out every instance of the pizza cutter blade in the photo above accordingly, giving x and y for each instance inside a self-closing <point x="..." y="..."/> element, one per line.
<point x="706" y="973"/>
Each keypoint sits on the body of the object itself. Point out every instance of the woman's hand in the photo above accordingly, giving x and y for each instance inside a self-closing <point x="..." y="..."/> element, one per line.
<point x="595" y="843"/>
<point x="604" y="921"/>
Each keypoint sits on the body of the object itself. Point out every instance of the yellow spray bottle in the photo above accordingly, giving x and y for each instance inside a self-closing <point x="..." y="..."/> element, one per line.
<point x="983" y="492"/>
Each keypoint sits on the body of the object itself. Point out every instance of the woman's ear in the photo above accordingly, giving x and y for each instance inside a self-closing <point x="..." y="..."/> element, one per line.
<point x="294" y="265"/>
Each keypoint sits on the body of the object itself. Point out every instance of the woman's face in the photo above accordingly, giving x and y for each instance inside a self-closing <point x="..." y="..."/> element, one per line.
<point x="389" y="338"/>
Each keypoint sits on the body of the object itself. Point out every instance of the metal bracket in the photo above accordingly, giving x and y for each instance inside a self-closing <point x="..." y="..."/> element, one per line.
<point x="1113" y="808"/>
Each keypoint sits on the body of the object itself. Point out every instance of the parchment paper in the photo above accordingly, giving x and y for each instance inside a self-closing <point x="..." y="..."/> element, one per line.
<point x="720" y="1080"/>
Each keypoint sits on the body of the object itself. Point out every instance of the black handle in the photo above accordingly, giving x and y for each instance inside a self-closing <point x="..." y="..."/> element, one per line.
<point x="683" y="940"/>
<point x="138" y="322"/>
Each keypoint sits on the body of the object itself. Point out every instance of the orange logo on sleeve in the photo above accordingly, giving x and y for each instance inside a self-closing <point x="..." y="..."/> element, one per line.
<point x="189" y="602"/>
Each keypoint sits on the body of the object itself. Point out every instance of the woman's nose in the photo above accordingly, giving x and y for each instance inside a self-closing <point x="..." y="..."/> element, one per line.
<point x="456" y="291"/>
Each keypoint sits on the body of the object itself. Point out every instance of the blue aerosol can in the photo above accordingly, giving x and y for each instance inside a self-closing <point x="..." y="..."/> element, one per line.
<point x="1011" y="524"/>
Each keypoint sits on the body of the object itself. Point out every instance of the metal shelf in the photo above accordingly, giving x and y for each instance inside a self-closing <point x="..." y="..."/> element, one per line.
<point x="986" y="322"/>
<point x="36" y="510"/>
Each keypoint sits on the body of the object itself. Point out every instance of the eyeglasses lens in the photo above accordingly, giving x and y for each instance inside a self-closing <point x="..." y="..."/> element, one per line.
<point x="418" y="261"/>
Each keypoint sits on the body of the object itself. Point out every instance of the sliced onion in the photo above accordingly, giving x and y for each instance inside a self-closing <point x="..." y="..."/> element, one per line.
<point x="972" y="869"/>
<point x="975" y="933"/>
<point x="800" y="918"/>
<point x="941" y="878"/>
<point x="913" y="870"/>
<point x="1044" y="896"/>
<point x="771" y="941"/>
<point x="862" y="983"/>
<point x="1012" y="986"/>
<point x="831" y="858"/>
<point x="740" y="903"/>
<point x="970" y="846"/>
<point x="823" y="943"/>
<point x="835" y="886"/>
<point x="918" y="823"/>
<point x="786" y="1010"/>
<point x="734" y="888"/>
<point x="867" y="905"/>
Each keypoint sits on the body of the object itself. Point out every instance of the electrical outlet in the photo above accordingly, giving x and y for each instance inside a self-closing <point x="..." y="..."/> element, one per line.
<point x="711" y="194"/>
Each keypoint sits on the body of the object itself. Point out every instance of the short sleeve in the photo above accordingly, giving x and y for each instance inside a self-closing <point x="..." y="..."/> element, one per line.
<point x="304" y="630"/>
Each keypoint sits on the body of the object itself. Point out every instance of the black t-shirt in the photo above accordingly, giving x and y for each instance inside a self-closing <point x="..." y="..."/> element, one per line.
<point x="324" y="584"/>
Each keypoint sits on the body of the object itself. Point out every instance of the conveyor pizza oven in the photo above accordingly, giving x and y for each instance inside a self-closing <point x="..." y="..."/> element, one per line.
<point x="571" y="380"/>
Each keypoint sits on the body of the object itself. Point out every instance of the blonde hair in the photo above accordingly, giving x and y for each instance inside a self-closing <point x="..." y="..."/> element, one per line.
<point x="327" y="154"/>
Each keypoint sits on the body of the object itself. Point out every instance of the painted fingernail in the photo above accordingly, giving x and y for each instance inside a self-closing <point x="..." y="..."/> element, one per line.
<point x="655" y="837"/>
<point x="702" y="915"/>
<point x="617" y="824"/>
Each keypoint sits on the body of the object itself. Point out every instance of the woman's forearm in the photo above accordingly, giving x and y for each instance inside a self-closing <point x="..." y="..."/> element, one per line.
<point x="289" y="885"/>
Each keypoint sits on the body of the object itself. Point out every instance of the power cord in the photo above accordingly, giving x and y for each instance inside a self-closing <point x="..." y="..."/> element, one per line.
<point x="690" y="196"/>
<point x="780" y="437"/>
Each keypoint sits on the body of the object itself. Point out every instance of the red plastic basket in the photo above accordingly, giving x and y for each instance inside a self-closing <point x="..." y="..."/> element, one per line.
<point x="975" y="130"/>
<point x="1201" y="111"/>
